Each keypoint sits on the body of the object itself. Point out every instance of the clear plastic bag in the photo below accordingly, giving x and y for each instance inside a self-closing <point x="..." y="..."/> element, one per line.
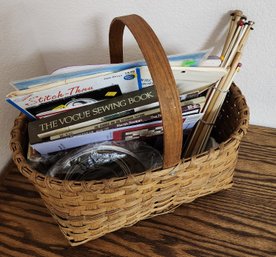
<point x="106" y="160"/>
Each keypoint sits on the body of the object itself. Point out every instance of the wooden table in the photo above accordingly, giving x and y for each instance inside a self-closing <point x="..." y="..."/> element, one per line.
<point x="240" y="221"/>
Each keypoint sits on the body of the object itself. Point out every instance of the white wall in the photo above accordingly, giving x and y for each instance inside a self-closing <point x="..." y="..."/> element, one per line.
<point x="19" y="58"/>
<point x="40" y="36"/>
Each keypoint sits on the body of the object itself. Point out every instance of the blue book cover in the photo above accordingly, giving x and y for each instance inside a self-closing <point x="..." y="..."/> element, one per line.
<point x="182" y="60"/>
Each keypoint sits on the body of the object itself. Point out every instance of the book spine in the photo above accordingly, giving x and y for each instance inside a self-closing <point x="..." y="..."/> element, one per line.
<point x="117" y="120"/>
<point x="130" y="120"/>
<point x="127" y="133"/>
<point x="29" y="115"/>
<point x="148" y="129"/>
<point x="84" y="116"/>
<point x="111" y="124"/>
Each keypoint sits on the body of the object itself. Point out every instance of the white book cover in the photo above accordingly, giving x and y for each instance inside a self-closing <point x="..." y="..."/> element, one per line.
<point x="193" y="59"/>
<point x="127" y="80"/>
<point x="188" y="79"/>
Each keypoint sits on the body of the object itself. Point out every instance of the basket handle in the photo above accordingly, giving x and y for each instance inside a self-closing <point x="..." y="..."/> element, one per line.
<point x="162" y="77"/>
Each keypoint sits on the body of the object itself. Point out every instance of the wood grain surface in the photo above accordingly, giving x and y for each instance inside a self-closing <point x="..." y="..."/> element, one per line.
<point x="240" y="221"/>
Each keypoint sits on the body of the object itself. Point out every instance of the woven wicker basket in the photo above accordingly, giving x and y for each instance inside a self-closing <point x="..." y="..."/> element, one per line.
<point x="87" y="210"/>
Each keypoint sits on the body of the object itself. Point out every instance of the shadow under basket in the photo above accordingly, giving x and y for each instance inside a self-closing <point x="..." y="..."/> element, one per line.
<point x="87" y="210"/>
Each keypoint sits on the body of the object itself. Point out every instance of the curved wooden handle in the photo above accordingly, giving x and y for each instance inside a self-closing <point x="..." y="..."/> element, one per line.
<point x="161" y="74"/>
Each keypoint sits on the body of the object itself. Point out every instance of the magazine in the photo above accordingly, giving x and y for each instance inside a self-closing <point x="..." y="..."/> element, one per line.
<point x="188" y="79"/>
<point x="193" y="59"/>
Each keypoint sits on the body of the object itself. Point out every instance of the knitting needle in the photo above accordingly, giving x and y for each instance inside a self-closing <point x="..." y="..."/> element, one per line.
<point x="245" y="36"/>
<point x="216" y="109"/>
<point x="240" y="41"/>
<point x="226" y="84"/>
<point x="226" y="62"/>
<point x="200" y="134"/>
<point x="218" y="98"/>
<point x="240" y="34"/>
<point x="228" y="34"/>
<point x="235" y="17"/>
<point x="229" y="57"/>
<point x="233" y="44"/>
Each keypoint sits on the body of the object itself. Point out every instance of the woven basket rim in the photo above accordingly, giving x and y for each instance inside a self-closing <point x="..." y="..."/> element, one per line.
<point x="34" y="175"/>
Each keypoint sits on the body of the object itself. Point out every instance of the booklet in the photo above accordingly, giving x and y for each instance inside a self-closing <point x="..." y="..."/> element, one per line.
<point x="46" y="100"/>
<point x="181" y="60"/>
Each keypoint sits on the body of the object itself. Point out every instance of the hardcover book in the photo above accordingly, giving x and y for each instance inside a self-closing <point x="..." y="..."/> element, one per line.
<point x="125" y="133"/>
<point x="91" y="114"/>
<point x="188" y="108"/>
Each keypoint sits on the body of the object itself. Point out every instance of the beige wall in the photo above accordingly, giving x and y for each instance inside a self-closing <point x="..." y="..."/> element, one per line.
<point x="40" y="36"/>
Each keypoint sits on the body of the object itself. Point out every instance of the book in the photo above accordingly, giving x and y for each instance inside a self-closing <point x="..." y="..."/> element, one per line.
<point x="86" y="115"/>
<point x="66" y="74"/>
<point x="211" y="61"/>
<point x="144" y="112"/>
<point x="68" y="103"/>
<point x="188" y="79"/>
<point x="127" y="81"/>
<point x="189" y="107"/>
<point x="148" y="129"/>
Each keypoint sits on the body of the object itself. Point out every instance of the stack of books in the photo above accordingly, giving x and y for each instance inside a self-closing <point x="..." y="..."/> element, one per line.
<point x="76" y="106"/>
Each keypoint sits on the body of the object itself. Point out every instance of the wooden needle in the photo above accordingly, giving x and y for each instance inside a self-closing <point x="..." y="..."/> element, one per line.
<point x="236" y="16"/>
<point x="233" y="44"/>
<point x="231" y="24"/>
<point x="200" y="134"/>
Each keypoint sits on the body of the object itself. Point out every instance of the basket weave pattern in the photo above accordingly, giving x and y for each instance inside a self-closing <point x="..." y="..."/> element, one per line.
<point x="87" y="210"/>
